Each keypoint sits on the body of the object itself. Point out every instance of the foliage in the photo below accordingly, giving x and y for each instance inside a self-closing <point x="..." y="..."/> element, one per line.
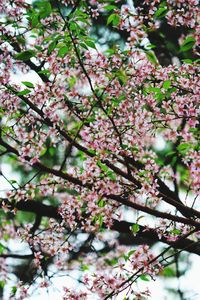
<point x="101" y="84"/>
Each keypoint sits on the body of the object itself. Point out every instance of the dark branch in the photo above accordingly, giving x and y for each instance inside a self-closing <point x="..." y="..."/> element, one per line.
<point x="126" y="235"/>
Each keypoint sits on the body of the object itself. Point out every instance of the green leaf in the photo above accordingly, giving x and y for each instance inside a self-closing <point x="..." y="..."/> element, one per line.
<point x="187" y="44"/>
<point x="170" y="153"/>
<point x="100" y="220"/>
<point x="46" y="72"/>
<point x="14" y="290"/>
<point x="173" y="161"/>
<point x="121" y="76"/>
<point x="175" y="231"/>
<point x="84" y="46"/>
<point x="161" y="12"/>
<point x="51" y="47"/>
<point x="131" y="252"/>
<point x="151" y="57"/>
<point x="62" y="51"/>
<point x="2" y="284"/>
<point x="112" y="262"/>
<point x="83" y="20"/>
<point x="24" y="92"/>
<point x="187" y="61"/>
<point x="90" y="44"/>
<point x="153" y="89"/>
<point x="102" y="166"/>
<point x="34" y="20"/>
<point x="168" y="272"/>
<point x="43" y="152"/>
<point x="110" y="7"/>
<point x="72" y="81"/>
<point x="185" y="147"/>
<point x="25" y="55"/>
<point x="21" y="40"/>
<point x="84" y="268"/>
<point x="52" y="151"/>
<point x="22" y="217"/>
<point x="111" y="175"/>
<point x="135" y="228"/>
<point x="167" y="84"/>
<point x="183" y="173"/>
<point x="38" y="47"/>
<point x="144" y="277"/>
<point x="13" y="181"/>
<point x="150" y="46"/>
<point x="114" y="19"/>
<point x="45" y="9"/>
<point x="2" y="248"/>
<point x="6" y="237"/>
<point x="110" y="19"/>
<point x="73" y="26"/>
<point x="28" y="84"/>
<point x="101" y="203"/>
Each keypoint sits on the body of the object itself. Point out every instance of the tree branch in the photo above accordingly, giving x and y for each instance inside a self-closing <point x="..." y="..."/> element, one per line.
<point x="126" y="235"/>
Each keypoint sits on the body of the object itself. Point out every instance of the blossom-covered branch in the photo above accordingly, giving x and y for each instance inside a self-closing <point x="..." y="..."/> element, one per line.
<point x="99" y="110"/>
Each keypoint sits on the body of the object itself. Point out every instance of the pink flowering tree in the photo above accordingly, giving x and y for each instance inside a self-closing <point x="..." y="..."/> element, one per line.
<point x="99" y="125"/>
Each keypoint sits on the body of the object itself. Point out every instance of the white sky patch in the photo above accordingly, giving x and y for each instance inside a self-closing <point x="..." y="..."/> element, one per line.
<point x="5" y="186"/>
<point x="30" y="76"/>
<point x="160" y="143"/>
